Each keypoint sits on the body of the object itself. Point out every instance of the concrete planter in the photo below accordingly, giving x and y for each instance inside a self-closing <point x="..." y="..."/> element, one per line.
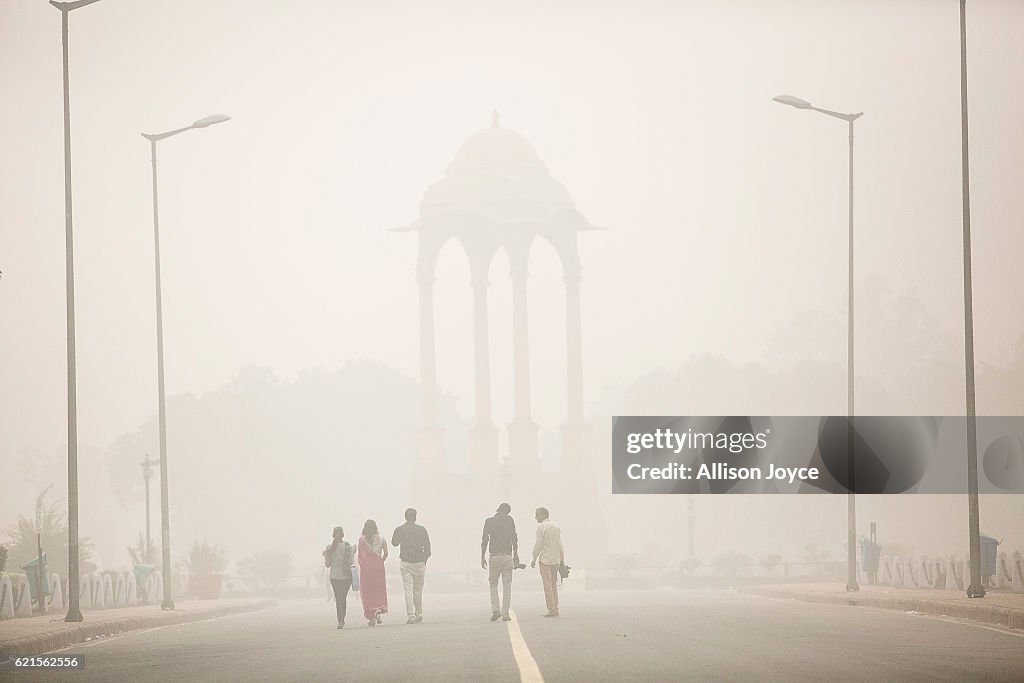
<point x="205" y="586"/>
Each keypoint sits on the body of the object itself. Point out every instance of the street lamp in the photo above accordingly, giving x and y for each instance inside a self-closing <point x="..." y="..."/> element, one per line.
<point x="851" y="536"/>
<point x="976" y="589"/>
<point x="165" y="527"/>
<point x="74" y="611"/>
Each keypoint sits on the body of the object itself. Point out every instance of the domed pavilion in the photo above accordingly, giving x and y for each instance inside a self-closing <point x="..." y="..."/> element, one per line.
<point x="497" y="194"/>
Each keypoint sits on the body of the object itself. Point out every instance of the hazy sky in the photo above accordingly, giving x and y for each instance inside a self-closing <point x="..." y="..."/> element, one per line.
<point x="726" y="212"/>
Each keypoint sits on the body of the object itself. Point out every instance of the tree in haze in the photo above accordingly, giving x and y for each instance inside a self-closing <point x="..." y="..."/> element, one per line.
<point x="1001" y="386"/>
<point x="730" y="563"/>
<point x="769" y="562"/>
<point x="908" y="362"/>
<point x="206" y="559"/>
<point x="269" y="568"/>
<point x="48" y="521"/>
<point x="141" y="553"/>
<point x="688" y="565"/>
<point x="813" y="554"/>
<point x="268" y="458"/>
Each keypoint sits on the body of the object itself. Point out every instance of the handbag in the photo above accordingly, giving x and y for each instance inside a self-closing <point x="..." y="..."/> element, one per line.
<point x="355" y="577"/>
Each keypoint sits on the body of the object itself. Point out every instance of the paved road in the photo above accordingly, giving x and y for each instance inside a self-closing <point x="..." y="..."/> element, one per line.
<point x="615" y="636"/>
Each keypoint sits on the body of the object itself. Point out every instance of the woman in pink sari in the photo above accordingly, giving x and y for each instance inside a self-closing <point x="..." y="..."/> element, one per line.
<point x="373" y="550"/>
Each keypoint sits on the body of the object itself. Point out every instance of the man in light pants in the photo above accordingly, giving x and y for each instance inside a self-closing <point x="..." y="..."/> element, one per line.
<point x="549" y="552"/>
<point x="414" y="544"/>
<point x="500" y="535"/>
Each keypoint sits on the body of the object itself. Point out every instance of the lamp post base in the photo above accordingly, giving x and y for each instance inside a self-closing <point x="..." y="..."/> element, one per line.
<point x="852" y="587"/>
<point x="167" y="605"/>
<point x="74" y="615"/>
<point x="975" y="590"/>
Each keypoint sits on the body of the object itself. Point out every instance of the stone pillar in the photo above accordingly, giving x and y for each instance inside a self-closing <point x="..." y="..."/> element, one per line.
<point x="574" y="435"/>
<point x="428" y="368"/>
<point x="574" y="348"/>
<point x="522" y="433"/>
<point x="520" y="349"/>
<point x="483" y="436"/>
<point x="430" y="439"/>
<point x="580" y="474"/>
<point x="481" y="354"/>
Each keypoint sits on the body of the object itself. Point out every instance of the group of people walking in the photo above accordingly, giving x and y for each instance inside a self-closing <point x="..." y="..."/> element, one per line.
<point x="370" y="554"/>
<point x="499" y="555"/>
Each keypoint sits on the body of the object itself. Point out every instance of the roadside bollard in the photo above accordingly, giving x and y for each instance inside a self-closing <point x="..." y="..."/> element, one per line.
<point x="120" y="591"/>
<point x="1004" y="579"/>
<point x="6" y="598"/>
<point x="954" y="574"/>
<point x="85" y="592"/>
<point x="938" y="573"/>
<point x="929" y="573"/>
<point x="22" y="596"/>
<point x="97" y="592"/>
<point x="131" y="590"/>
<point x="108" y="591"/>
<point x="911" y="577"/>
<point x="155" y="586"/>
<point x="55" y="600"/>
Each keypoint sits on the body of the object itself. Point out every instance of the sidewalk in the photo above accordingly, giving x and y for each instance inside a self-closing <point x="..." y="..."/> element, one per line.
<point x="1000" y="608"/>
<point x="39" y="635"/>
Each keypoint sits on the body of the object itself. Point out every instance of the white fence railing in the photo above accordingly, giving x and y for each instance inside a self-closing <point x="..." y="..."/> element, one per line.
<point x="950" y="573"/>
<point x="96" y="592"/>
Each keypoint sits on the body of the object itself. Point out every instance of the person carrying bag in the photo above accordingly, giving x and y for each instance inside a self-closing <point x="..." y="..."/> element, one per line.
<point x="339" y="556"/>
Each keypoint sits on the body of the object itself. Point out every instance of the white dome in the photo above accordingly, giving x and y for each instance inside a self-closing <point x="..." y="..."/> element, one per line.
<point x="496" y="172"/>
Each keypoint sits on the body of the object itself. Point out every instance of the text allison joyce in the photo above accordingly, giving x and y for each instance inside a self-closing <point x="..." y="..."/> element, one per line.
<point x="718" y="471"/>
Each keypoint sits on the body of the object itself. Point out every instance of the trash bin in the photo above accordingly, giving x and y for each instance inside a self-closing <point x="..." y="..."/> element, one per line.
<point x="142" y="573"/>
<point x="34" y="575"/>
<point x="989" y="547"/>
<point x="870" y="555"/>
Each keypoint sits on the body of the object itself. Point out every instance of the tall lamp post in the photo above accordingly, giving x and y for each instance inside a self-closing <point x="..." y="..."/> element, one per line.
<point x="74" y="611"/>
<point x="976" y="589"/>
<point x="851" y="535"/>
<point x="165" y="527"/>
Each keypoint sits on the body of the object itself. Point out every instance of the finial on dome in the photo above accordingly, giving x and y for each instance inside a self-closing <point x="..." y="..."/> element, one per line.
<point x="495" y="119"/>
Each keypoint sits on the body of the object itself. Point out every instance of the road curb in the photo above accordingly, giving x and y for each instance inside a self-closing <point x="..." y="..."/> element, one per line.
<point x="1011" y="617"/>
<point x="72" y="635"/>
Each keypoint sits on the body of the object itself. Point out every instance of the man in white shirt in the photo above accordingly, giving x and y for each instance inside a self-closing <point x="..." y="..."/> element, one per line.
<point x="549" y="552"/>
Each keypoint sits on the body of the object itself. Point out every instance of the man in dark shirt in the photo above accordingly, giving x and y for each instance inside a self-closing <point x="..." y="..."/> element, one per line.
<point x="414" y="544"/>
<point x="500" y="535"/>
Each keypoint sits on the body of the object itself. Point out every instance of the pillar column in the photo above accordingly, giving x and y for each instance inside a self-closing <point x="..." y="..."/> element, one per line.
<point x="574" y="435"/>
<point x="481" y="354"/>
<point x="520" y="349"/>
<point x="573" y="348"/>
<point x="578" y="472"/>
<point x="430" y="439"/>
<point x="428" y="370"/>
<point x="522" y="433"/>
<point x="483" y="436"/>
